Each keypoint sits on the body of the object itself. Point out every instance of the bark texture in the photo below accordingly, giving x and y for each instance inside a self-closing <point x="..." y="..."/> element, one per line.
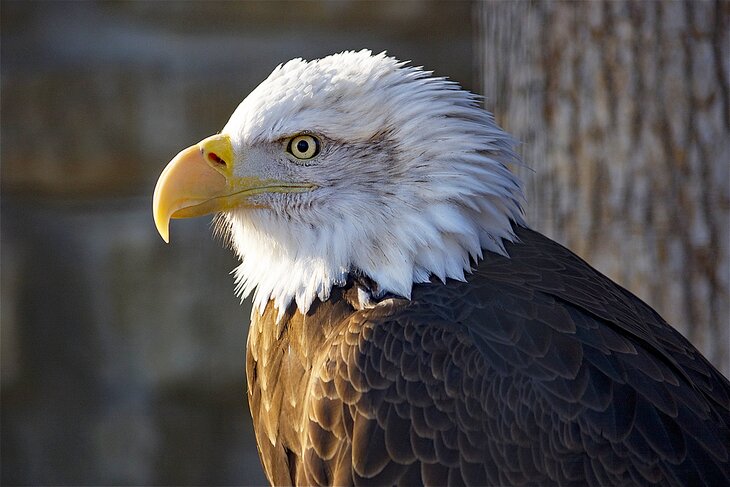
<point x="624" y="114"/>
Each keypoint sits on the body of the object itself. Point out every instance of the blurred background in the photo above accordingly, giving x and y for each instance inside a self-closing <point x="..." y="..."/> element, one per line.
<point x="123" y="357"/>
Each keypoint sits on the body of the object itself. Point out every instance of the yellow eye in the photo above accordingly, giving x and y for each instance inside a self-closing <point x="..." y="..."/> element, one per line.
<point x="303" y="146"/>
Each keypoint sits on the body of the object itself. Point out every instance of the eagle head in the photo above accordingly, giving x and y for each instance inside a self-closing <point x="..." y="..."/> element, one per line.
<point x="353" y="163"/>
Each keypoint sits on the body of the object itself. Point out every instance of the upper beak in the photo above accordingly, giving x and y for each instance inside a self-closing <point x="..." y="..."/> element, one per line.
<point x="200" y="181"/>
<point x="189" y="186"/>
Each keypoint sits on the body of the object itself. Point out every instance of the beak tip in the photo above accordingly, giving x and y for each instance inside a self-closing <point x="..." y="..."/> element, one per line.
<point x="163" y="227"/>
<point x="164" y="233"/>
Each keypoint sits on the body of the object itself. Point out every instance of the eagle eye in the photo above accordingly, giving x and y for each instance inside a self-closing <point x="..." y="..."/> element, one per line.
<point x="303" y="146"/>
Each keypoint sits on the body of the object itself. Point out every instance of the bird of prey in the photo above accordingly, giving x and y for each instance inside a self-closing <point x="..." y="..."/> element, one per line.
<point x="408" y="326"/>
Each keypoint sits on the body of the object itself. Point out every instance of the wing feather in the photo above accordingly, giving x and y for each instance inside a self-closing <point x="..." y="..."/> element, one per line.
<point x="538" y="370"/>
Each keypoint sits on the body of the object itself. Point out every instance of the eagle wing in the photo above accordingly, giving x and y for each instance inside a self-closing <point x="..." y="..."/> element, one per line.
<point x="538" y="370"/>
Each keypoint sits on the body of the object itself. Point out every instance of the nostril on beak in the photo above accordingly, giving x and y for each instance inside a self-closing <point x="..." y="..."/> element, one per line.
<point x="215" y="160"/>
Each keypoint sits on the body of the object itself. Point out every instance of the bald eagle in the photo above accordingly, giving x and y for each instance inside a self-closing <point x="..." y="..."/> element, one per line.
<point x="408" y="326"/>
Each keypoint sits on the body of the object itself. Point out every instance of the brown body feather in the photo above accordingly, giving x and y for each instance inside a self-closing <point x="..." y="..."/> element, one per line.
<point x="537" y="371"/>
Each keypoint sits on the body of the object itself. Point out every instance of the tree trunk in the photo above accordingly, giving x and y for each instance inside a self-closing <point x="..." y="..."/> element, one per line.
<point x="623" y="111"/>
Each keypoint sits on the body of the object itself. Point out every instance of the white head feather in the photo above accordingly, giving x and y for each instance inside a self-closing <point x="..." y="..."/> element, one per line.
<point x="411" y="180"/>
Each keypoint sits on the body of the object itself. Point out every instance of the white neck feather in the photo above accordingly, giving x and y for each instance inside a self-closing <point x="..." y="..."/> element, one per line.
<point x="285" y="261"/>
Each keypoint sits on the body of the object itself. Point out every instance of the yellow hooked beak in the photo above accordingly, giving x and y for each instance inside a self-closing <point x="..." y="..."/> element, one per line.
<point x="200" y="181"/>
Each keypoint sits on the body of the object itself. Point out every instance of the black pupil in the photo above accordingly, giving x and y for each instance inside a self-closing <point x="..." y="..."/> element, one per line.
<point x="302" y="146"/>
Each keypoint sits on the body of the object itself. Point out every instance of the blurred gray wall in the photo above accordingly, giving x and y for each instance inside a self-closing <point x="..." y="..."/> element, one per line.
<point x="123" y="357"/>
